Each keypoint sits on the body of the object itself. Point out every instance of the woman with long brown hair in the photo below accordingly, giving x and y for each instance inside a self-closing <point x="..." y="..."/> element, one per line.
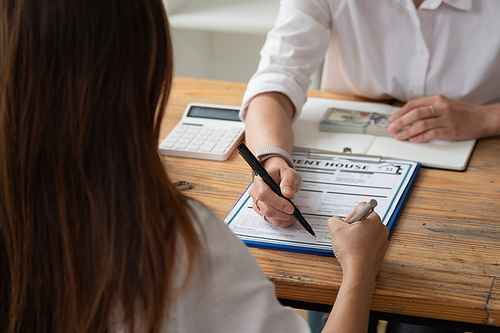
<point x="93" y="236"/>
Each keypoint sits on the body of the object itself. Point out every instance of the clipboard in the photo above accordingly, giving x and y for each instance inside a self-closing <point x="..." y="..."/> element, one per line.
<point x="333" y="184"/>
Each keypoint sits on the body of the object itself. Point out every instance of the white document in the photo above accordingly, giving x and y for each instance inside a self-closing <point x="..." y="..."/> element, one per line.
<point x="331" y="187"/>
<point x="437" y="153"/>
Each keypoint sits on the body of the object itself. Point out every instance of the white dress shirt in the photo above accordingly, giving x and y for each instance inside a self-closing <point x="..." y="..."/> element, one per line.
<point x="384" y="49"/>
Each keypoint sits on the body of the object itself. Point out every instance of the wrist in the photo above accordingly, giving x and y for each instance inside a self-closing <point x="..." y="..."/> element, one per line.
<point x="362" y="282"/>
<point x="491" y="120"/>
<point x="267" y="153"/>
<point x="275" y="162"/>
<point x="357" y="274"/>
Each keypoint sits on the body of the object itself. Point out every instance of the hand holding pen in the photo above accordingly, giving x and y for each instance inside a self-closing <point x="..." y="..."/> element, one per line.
<point x="364" y="212"/>
<point x="359" y="247"/>
<point x="262" y="172"/>
<point x="278" y="210"/>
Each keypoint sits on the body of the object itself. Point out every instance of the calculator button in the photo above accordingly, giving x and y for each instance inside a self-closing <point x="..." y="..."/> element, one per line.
<point x="220" y="150"/>
<point x="180" y="146"/>
<point x="181" y="129"/>
<point x="193" y="147"/>
<point x="188" y="136"/>
<point x="184" y="141"/>
<point x="171" y="139"/>
<point x="213" y="139"/>
<point x="202" y="137"/>
<point x="207" y="146"/>
<point x="226" y="140"/>
<point x="222" y="145"/>
<point x="175" y="135"/>
<point x="197" y="142"/>
<point x="168" y="144"/>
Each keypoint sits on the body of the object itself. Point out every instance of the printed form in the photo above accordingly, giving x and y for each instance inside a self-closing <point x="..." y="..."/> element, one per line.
<point x="330" y="187"/>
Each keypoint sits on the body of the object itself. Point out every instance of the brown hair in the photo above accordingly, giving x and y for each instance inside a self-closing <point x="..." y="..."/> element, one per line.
<point x="88" y="217"/>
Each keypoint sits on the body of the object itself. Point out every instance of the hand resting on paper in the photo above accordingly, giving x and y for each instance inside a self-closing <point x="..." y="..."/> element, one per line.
<point x="359" y="247"/>
<point x="451" y="120"/>
<point x="276" y="210"/>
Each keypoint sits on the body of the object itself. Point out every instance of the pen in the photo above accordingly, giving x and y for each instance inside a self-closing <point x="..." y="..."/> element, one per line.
<point x="262" y="172"/>
<point x="364" y="212"/>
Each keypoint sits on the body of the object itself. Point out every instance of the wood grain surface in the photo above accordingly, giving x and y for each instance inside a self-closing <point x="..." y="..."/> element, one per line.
<point x="443" y="260"/>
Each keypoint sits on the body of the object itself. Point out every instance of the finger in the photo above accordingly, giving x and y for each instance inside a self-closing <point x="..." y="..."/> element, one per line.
<point x="253" y="193"/>
<point x="355" y="210"/>
<point x="281" y="223"/>
<point x="268" y="200"/>
<point x="335" y="224"/>
<point x="413" y="104"/>
<point x="275" y="215"/>
<point x="410" y="118"/>
<point x="373" y="217"/>
<point x="290" y="183"/>
<point x="419" y="128"/>
<point x="271" y="215"/>
<point x="429" y="135"/>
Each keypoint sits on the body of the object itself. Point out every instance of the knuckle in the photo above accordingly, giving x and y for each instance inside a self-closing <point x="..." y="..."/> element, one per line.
<point x="399" y="123"/>
<point x="424" y="123"/>
<point x="279" y="203"/>
<point x="361" y="204"/>
<point x="429" y="135"/>
<point x="420" y="112"/>
<point x="408" y="133"/>
<point x="283" y="223"/>
<point x="410" y="104"/>
<point x="440" y="98"/>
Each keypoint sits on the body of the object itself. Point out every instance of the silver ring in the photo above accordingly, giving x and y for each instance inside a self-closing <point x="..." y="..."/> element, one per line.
<point x="433" y="111"/>
<point x="257" y="206"/>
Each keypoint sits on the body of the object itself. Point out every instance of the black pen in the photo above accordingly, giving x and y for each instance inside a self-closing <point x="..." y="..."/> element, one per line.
<point x="262" y="172"/>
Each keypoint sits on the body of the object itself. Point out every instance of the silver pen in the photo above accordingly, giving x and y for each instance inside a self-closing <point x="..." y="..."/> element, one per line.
<point x="364" y="212"/>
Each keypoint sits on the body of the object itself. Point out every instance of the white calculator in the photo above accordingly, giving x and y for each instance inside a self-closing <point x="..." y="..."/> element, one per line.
<point x="206" y="131"/>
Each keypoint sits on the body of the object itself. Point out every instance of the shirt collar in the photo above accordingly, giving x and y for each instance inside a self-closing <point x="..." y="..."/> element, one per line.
<point x="433" y="4"/>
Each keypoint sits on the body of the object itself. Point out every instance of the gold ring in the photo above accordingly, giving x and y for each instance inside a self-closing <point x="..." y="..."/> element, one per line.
<point x="433" y="111"/>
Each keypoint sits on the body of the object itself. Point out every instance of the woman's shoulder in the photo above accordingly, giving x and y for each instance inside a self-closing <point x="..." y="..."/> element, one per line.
<point x="210" y="227"/>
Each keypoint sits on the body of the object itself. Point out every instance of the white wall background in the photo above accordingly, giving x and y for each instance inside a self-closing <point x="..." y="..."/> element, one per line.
<point x="216" y="55"/>
<point x="220" y="39"/>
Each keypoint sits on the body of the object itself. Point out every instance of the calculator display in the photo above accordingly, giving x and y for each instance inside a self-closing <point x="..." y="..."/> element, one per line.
<point x="213" y="113"/>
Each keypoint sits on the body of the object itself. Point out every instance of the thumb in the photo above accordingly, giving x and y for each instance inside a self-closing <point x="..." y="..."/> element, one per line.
<point x="290" y="183"/>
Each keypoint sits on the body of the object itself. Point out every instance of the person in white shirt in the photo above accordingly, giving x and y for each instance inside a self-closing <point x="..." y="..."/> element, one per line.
<point x="94" y="237"/>
<point x="440" y="56"/>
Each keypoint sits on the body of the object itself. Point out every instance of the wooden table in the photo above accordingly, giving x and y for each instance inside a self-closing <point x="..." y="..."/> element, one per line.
<point x="443" y="262"/>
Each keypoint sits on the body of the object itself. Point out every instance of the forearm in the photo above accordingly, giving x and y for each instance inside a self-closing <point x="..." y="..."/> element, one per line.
<point x="492" y="120"/>
<point x="351" y="311"/>
<point x="268" y="122"/>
